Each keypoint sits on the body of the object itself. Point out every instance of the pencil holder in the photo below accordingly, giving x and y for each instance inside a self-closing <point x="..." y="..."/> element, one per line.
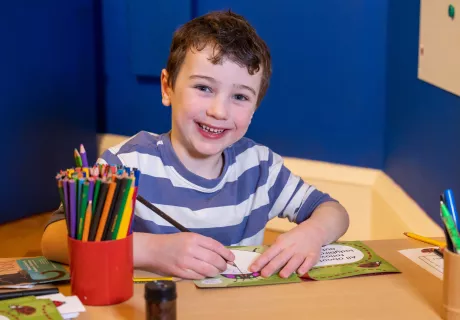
<point x="101" y="272"/>
<point x="451" y="285"/>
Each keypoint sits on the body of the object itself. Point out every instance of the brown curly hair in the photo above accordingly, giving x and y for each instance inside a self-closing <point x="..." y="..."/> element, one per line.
<point x="233" y="38"/>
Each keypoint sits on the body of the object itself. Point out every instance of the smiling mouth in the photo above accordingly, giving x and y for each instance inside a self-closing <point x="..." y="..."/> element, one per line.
<point x="210" y="130"/>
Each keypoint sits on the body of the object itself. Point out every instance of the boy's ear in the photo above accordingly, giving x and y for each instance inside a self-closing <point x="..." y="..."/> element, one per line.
<point x="165" y="89"/>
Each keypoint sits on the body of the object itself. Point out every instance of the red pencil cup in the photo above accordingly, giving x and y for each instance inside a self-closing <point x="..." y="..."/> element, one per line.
<point x="101" y="273"/>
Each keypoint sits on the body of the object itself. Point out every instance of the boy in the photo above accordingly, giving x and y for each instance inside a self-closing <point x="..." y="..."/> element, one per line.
<point x="206" y="175"/>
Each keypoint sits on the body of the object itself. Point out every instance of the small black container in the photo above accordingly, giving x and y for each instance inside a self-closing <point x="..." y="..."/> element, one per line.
<point x="160" y="300"/>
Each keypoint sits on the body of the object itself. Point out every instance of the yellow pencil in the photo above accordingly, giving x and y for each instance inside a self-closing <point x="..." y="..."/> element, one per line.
<point x="425" y="239"/>
<point x="123" y="230"/>
<point x="145" y="280"/>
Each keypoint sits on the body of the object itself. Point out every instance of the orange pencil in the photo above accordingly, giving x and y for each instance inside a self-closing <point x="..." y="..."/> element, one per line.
<point x="89" y="213"/>
<point x="105" y="211"/>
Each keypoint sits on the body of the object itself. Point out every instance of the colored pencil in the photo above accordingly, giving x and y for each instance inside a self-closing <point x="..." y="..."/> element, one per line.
<point x="73" y="203"/>
<point x="123" y="230"/>
<point x="83" y="156"/>
<point x="98" y="212"/>
<point x="162" y="214"/>
<point x="83" y="206"/>
<point x="87" y="221"/>
<point x="65" y="183"/>
<point x="425" y="239"/>
<point x="105" y="211"/>
<point x="77" y="157"/>
<point x="98" y="201"/>
<point x="137" y="174"/>
<point x="121" y="208"/>
<point x="450" y="203"/>
<point x="450" y="226"/>
<point x="97" y="186"/>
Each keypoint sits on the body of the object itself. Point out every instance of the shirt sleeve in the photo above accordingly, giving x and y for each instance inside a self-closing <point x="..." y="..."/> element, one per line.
<point x="291" y="197"/>
<point x="56" y="216"/>
<point x="109" y="158"/>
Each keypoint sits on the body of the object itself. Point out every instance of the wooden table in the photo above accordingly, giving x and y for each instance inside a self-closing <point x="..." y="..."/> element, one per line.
<point x="412" y="294"/>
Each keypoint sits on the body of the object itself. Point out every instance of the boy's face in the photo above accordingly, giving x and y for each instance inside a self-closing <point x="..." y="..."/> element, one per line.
<point x="212" y="105"/>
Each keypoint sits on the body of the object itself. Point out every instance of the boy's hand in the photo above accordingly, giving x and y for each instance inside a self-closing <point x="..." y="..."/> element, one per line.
<point x="186" y="255"/>
<point x="295" y="251"/>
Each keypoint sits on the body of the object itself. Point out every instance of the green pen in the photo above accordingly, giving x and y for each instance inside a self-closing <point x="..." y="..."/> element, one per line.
<point x="451" y="227"/>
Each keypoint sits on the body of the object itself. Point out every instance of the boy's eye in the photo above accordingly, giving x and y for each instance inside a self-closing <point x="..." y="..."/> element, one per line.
<point x="241" y="97"/>
<point x="203" y="88"/>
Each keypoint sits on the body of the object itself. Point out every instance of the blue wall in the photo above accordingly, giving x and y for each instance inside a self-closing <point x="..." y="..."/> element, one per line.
<point x="422" y="132"/>
<point x="47" y="98"/>
<point x="327" y="96"/>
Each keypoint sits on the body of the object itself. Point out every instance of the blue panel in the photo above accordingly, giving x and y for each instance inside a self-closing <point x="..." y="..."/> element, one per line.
<point x="151" y="25"/>
<point x="47" y="90"/>
<point x="423" y="121"/>
<point x="131" y="104"/>
<point x="327" y="96"/>
<point x="326" y="100"/>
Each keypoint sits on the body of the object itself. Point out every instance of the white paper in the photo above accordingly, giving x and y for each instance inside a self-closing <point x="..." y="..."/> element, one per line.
<point x="71" y="305"/>
<point x="427" y="259"/>
<point x="243" y="259"/>
<point x="334" y="254"/>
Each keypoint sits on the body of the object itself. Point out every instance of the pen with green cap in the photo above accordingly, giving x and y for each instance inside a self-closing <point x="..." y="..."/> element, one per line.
<point x="452" y="231"/>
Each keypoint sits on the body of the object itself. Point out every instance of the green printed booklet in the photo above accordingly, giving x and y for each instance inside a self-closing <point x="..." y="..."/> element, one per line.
<point x="35" y="270"/>
<point x="338" y="260"/>
<point x="29" y="308"/>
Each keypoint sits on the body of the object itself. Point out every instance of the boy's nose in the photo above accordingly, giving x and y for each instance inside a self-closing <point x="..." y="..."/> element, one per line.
<point x="218" y="110"/>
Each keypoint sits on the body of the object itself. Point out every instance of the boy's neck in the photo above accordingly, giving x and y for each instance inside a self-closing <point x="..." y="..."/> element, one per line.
<point x="208" y="167"/>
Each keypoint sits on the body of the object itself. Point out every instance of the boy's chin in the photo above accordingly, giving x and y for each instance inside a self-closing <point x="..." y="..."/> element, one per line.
<point x="207" y="150"/>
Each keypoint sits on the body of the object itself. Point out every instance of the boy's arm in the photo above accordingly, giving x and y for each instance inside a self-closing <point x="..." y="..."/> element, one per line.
<point x="54" y="239"/>
<point x="320" y="218"/>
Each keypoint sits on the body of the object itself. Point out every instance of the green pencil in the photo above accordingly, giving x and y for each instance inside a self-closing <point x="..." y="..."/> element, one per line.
<point x="83" y="206"/>
<point x="119" y="217"/>
<point x="97" y="187"/>
<point x="451" y="227"/>
<point x="77" y="157"/>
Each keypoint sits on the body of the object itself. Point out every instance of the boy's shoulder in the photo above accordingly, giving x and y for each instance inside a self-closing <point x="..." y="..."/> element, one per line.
<point x="246" y="148"/>
<point x="140" y="142"/>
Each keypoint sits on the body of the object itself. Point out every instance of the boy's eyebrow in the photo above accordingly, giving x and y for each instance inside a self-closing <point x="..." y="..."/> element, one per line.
<point x="239" y="86"/>
<point x="198" y="76"/>
<point x="242" y="86"/>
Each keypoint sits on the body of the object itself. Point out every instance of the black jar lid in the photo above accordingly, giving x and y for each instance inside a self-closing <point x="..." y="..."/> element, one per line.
<point x="156" y="291"/>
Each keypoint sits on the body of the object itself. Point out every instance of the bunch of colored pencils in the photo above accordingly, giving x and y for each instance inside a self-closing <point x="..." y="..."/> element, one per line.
<point x="98" y="201"/>
<point x="450" y="219"/>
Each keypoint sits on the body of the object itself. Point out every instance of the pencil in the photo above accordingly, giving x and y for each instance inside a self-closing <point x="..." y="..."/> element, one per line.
<point x="145" y="280"/>
<point x="119" y="217"/>
<point x="450" y="226"/>
<point x="73" y="207"/>
<point x="425" y="239"/>
<point x="83" y="206"/>
<point x="105" y="211"/>
<point x="97" y="186"/>
<point x="77" y="157"/>
<point x="162" y="214"/>
<point x="65" y="183"/>
<point x="98" y="211"/>
<point x="83" y="156"/>
<point x="111" y="214"/>
<point x="137" y="175"/>
<point x="172" y="221"/>
<point x="87" y="222"/>
<point x="124" y="225"/>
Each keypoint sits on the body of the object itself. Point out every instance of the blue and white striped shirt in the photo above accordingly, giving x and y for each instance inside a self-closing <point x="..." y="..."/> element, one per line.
<point x="234" y="208"/>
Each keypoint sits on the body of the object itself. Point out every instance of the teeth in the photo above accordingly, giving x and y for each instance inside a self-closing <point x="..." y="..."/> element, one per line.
<point x="206" y="128"/>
